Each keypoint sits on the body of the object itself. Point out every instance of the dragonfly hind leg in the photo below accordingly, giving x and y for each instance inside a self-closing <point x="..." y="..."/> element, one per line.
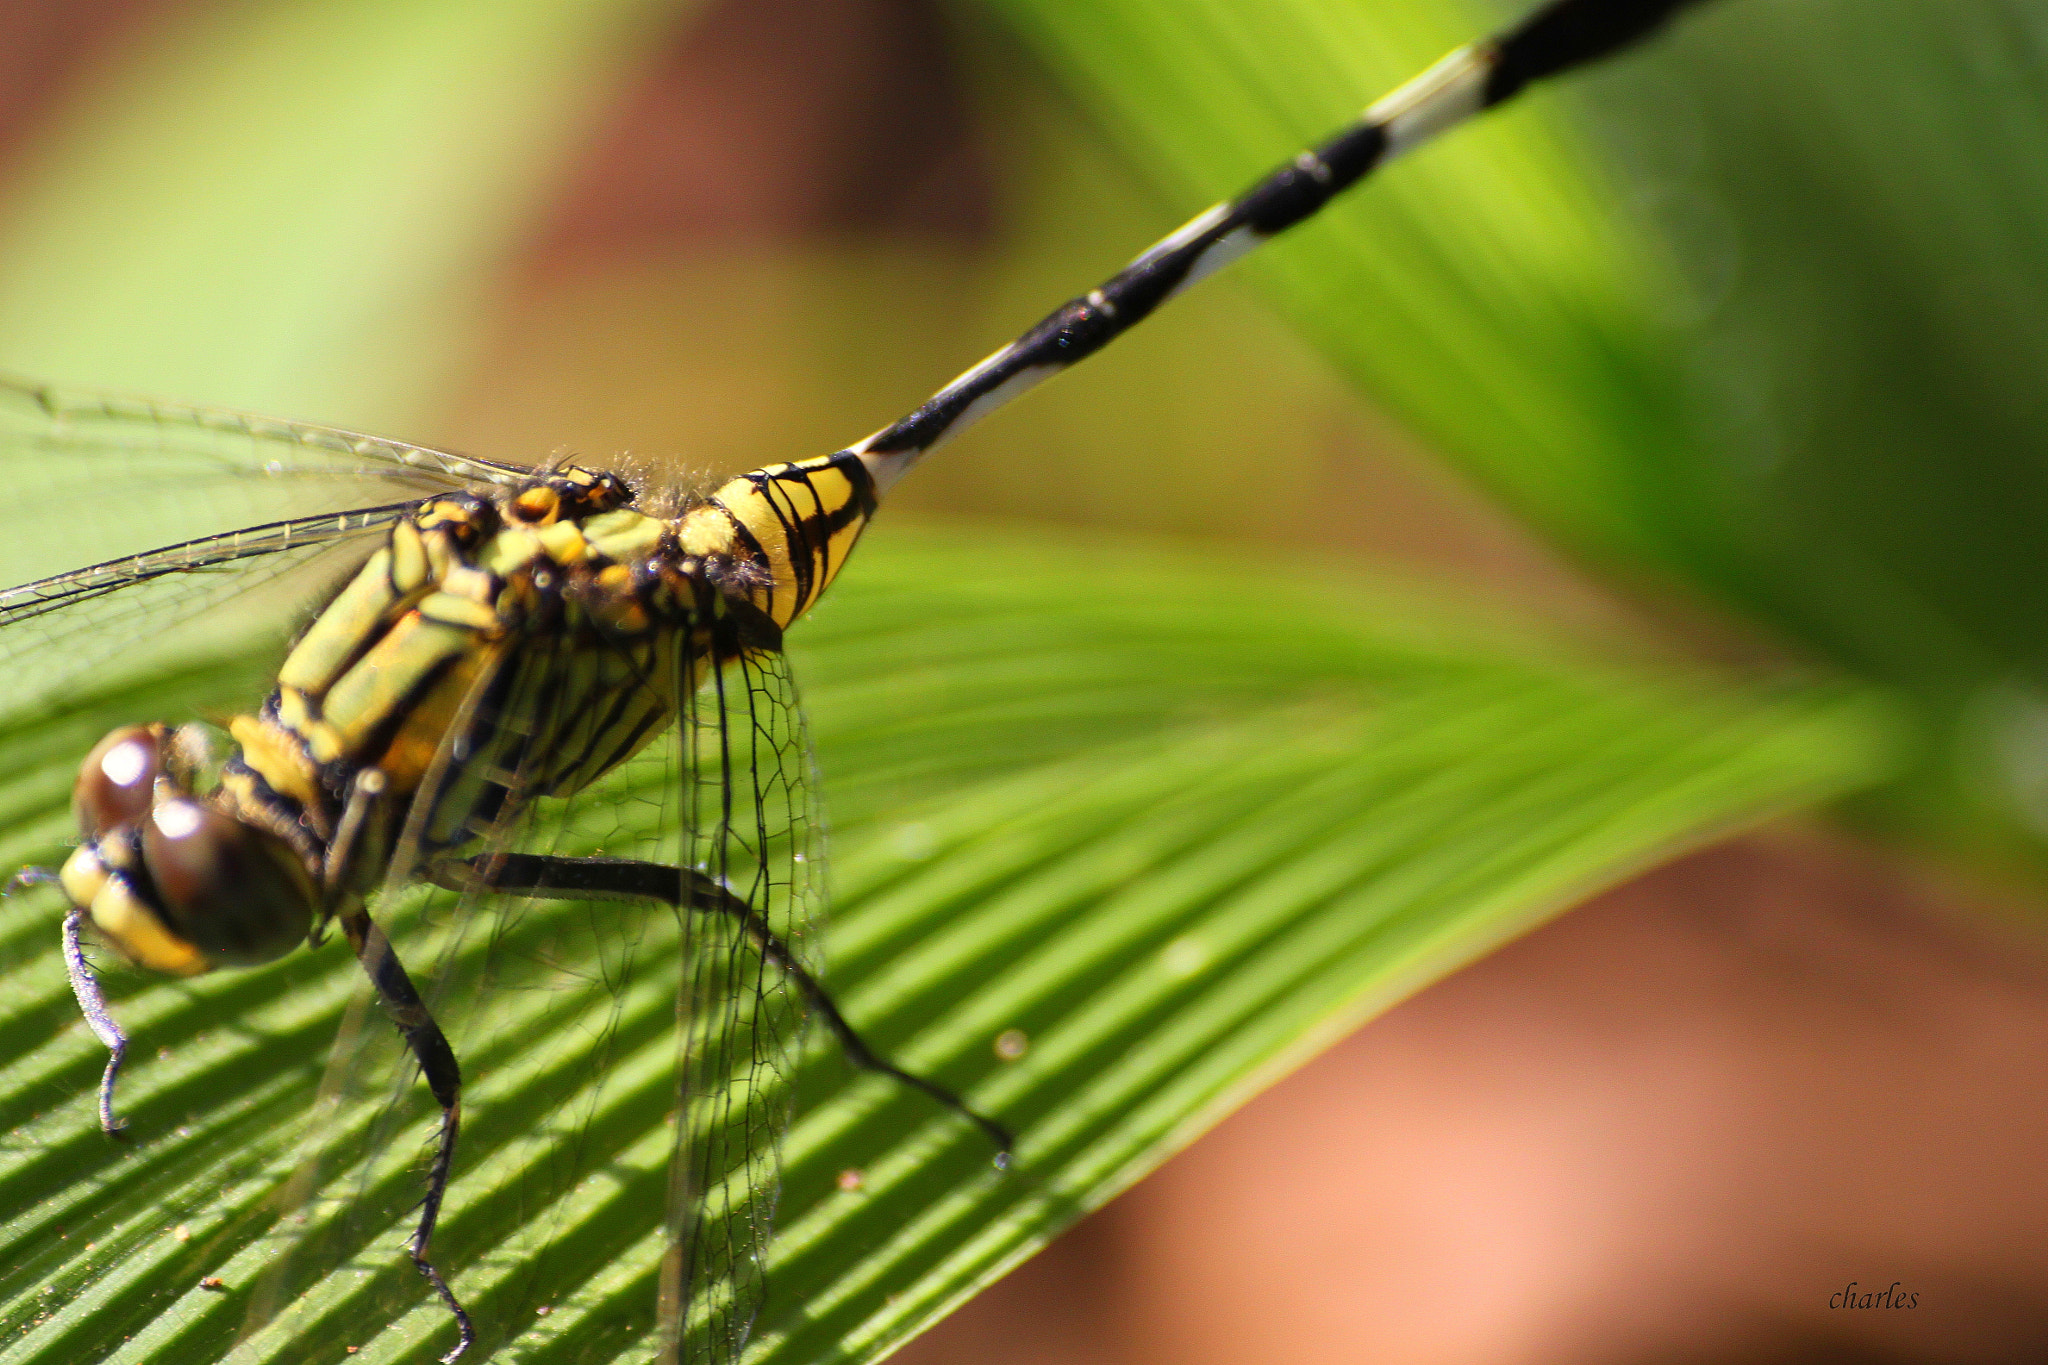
<point x="558" y="878"/>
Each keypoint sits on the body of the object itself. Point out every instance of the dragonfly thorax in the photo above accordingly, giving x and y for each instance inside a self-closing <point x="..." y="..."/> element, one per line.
<point x="454" y="660"/>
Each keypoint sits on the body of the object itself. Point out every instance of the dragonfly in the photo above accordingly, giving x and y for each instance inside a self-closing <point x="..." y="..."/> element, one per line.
<point x="496" y="644"/>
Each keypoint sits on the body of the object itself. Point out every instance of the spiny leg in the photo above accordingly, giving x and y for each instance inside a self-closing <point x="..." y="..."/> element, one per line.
<point x="429" y="1046"/>
<point x="557" y="878"/>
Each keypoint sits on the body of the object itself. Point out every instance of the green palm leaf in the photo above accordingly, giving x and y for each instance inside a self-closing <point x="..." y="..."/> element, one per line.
<point x="1173" y="836"/>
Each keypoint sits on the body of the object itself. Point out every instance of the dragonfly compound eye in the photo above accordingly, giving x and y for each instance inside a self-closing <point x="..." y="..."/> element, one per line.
<point x="117" y="782"/>
<point x="238" y="894"/>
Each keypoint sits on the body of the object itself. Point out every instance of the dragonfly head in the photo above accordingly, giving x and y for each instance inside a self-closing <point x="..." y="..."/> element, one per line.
<point x="173" y="881"/>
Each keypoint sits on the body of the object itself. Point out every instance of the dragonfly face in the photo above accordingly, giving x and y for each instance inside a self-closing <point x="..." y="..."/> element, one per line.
<point x="174" y="883"/>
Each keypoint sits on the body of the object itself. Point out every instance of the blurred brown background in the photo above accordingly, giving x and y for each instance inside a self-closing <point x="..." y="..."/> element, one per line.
<point x="1676" y="1125"/>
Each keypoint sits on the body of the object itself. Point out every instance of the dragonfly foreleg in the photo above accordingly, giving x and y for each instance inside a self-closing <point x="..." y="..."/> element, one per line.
<point x="85" y="988"/>
<point x="347" y="852"/>
<point x="557" y="878"/>
<point x="92" y="1003"/>
<point x="430" y="1048"/>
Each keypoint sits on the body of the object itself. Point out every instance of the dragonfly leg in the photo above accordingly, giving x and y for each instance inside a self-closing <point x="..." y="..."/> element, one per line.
<point x="444" y="1079"/>
<point x="345" y="851"/>
<point x="556" y="878"/>
<point x="85" y="988"/>
<point x="93" y="1005"/>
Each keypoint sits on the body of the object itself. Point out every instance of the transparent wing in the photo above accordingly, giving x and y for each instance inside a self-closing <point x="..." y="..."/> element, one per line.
<point x="755" y="831"/>
<point x="128" y="617"/>
<point x="152" y="474"/>
<point x="580" y="1024"/>
<point x="129" y="518"/>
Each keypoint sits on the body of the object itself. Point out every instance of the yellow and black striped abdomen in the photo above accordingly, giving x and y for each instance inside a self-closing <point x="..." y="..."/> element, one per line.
<point x="796" y="522"/>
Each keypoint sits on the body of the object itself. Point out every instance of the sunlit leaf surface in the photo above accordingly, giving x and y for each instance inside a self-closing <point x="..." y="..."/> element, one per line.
<point x="1166" y="823"/>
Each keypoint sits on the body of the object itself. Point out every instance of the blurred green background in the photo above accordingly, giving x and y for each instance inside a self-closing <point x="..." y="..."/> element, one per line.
<point x="1707" y="382"/>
